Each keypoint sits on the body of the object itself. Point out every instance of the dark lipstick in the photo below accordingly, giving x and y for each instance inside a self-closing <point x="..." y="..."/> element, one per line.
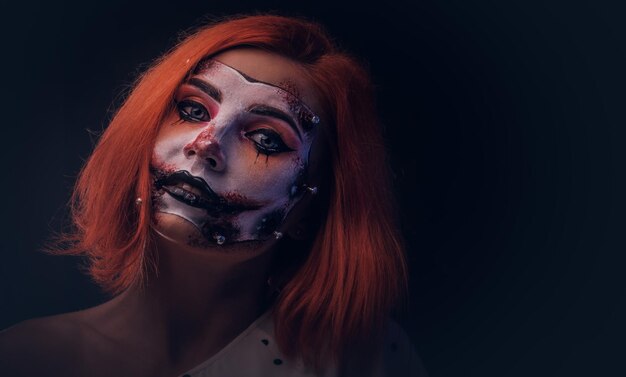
<point x="208" y="200"/>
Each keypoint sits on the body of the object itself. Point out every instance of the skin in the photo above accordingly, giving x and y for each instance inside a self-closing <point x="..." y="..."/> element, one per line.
<point x="201" y="298"/>
<point x="245" y="143"/>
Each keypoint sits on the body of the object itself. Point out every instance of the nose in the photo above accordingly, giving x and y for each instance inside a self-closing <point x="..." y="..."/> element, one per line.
<point x="206" y="147"/>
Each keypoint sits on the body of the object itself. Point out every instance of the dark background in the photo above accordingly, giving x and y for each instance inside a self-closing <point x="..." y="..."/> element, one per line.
<point x="505" y="122"/>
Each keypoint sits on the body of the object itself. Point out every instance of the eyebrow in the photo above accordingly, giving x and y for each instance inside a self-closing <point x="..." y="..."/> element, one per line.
<point x="209" y="89"/>
<point x="275" y="113"/>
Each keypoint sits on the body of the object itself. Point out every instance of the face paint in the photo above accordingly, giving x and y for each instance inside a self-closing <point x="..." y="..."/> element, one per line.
<point x="235" y="162"/>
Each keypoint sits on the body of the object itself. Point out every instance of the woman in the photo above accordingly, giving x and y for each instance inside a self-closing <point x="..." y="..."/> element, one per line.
<point x="237" y="207"/>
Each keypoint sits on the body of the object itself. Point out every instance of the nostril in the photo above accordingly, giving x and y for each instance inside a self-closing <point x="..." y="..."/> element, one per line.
<point x="190" y="153"/>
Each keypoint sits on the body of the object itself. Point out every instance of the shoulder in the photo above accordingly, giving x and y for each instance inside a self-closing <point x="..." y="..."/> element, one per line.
<point x="40" y="345"/>
<point x="398" y="354"/>
<point x="391" y="355"/>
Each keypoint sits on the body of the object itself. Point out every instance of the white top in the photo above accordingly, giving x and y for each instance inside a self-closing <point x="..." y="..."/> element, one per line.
<point x="254" y="352"/>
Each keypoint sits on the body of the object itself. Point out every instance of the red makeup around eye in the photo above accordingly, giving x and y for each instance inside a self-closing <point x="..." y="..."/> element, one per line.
<point x="252" y="148"/>
<point x="191" y="93"/>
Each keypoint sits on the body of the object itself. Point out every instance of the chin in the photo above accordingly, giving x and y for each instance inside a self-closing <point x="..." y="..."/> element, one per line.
<point x="183" y="233"/>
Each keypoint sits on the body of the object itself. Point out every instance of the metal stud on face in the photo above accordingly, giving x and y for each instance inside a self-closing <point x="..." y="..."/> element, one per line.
<point x="315" y="119"/>
<point x="219" y="239"/>
<point x="138" y="201"/>
<point x="312" y="190"/>
<point x="278" y="235"/>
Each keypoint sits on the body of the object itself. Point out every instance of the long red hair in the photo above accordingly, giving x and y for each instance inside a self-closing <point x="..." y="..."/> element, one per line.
<point x="346" y="286"/>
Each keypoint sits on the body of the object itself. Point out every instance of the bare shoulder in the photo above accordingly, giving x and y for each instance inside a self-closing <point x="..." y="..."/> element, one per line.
<point x="40" y="345"/>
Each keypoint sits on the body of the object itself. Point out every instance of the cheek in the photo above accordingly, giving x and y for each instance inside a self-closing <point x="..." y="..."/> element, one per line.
<point x="269" y="178"/>
<point x="161" y="165"/>
<point x="168" y="148"/>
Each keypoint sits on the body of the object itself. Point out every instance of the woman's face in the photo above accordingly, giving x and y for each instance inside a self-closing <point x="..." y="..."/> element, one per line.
<point x="232" y="159"/>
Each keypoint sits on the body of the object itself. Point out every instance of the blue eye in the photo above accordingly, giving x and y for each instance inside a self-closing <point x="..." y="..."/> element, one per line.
<point x="192" y="111"/>
<point x="267" y="141"/>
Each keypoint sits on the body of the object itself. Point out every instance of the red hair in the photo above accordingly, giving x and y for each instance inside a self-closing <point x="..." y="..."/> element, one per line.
<point x="355" y="271"/>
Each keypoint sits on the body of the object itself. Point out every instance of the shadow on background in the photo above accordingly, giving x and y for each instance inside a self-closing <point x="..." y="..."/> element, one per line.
<point x="505" y="125"/>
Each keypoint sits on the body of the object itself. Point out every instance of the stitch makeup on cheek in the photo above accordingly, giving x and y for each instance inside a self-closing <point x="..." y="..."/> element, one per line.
<point x="205" y="167"/>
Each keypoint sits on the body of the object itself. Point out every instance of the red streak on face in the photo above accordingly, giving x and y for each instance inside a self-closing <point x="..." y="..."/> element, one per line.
<point x="289" y="86"/>
<point x="294" y="103"/>
<point x="205" y="66"/>
<point x="291" y="95"/>
<point x="235" y="198"/>
<point x="163" y="167"/>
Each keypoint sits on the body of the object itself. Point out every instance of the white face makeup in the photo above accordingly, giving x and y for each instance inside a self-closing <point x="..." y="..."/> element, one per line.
<point x="233" y="162"/>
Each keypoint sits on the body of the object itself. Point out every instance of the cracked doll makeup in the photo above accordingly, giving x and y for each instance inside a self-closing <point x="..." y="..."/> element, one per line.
<point x="232" y="158"/>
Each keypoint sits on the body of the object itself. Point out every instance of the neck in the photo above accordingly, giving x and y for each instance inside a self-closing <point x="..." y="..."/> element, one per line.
<point x="196" y="288"/>
<point x="196" y="302"/>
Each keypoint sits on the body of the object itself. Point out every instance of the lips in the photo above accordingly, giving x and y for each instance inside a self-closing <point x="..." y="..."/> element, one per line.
<point x="195" y="192"/>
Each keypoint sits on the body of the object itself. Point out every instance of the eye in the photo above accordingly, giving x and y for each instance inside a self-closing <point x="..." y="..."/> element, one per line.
<point x="192" y="111"/>
<point x="267" y="141"/>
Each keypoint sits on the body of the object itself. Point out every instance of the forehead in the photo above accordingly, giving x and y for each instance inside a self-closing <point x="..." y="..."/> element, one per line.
<point x="226" y="81"/>
<point x="270" y="68"/>
<point x="229" y="85"/>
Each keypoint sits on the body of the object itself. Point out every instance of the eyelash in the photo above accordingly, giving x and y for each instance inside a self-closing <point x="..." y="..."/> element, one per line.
<point x="187" y="116"/>
<point x="266" y="134"/>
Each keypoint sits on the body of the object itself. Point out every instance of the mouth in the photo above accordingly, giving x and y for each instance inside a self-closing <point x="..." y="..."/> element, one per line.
<point x="195" y="192"/>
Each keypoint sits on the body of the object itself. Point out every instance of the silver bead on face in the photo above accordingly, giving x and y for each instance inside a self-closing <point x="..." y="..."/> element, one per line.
<point x="312" y="190"/>
<point x="278" y="235"/>
<point x="138" y="201"/>
<point x="219" y="239"/>
<point x="315" y="119"/>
